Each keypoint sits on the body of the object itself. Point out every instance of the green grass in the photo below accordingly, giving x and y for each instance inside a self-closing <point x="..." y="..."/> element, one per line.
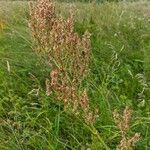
<point x="120" y="50"/>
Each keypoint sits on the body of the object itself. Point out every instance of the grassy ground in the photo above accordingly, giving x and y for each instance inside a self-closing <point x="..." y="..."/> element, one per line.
<point x="119" y="72"/>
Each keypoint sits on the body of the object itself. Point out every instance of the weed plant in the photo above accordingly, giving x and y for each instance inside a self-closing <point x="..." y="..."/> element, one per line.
<point x="118" y="76"/>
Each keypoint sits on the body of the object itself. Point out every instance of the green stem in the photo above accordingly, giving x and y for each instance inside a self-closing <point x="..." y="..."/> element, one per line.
<point x="94" y="132"/>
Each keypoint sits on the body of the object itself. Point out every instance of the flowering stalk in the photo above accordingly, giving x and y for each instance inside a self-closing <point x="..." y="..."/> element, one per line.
<point x="123" y="125"/>
<point x="67" y="53"/>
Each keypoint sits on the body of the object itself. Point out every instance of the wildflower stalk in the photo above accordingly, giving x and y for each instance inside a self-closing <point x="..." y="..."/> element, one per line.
<point x="66" y="53"/>
<point x="94" y="131"/>
<point x="122" y="122"/>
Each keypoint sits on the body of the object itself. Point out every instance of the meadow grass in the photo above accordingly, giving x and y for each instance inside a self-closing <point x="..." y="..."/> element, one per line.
<point x="119" y="76"/>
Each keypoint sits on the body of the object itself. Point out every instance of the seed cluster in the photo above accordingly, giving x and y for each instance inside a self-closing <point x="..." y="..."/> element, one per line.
<point x="67" y="53"/>
<point x="123" y="122"/>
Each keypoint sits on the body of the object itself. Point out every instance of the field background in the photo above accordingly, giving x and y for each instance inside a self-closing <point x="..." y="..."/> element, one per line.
<point x="119" y="76"/>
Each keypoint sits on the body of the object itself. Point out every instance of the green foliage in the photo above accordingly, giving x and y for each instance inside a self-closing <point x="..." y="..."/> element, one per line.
<point x="120" y="52"/>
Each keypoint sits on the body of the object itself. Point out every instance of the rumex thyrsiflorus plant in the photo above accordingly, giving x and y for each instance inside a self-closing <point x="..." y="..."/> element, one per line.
<point x="67" y="53"/>
<point x="68" y="57"/>
<point x="123" y="124"/>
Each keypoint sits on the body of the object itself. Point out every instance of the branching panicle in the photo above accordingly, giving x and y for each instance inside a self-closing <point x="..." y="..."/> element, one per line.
<point x="67" y="53"/>
<point x="123" y="123"/>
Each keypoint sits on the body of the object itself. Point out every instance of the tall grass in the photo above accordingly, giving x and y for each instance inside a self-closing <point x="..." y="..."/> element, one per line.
<point x="118" y="77"/>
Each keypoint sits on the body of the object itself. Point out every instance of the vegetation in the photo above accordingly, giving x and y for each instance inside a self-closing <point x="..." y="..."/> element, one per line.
<point x="116" y="79"/>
